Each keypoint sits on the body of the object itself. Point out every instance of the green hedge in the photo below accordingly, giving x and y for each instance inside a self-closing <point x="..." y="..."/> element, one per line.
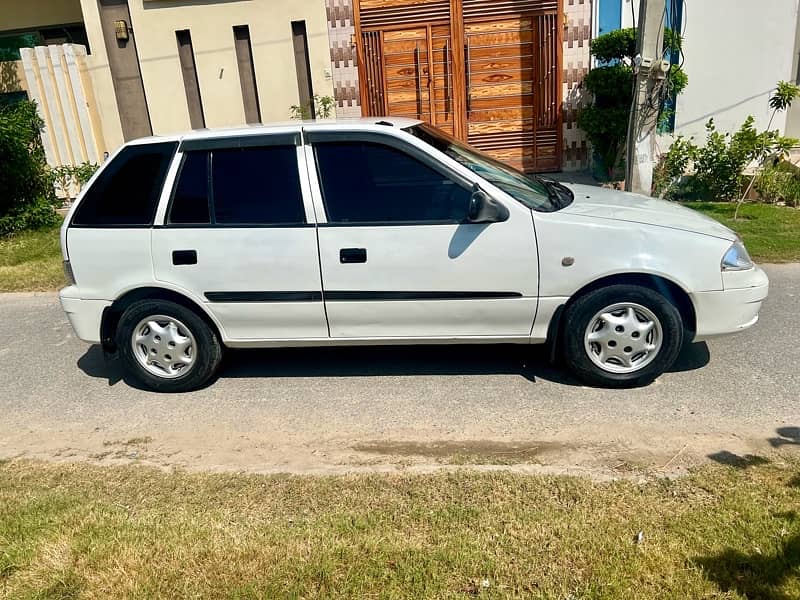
<point x="27" y="196"/>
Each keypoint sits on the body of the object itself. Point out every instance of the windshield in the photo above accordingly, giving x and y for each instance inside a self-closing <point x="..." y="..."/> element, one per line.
<point x="533" y="192"/>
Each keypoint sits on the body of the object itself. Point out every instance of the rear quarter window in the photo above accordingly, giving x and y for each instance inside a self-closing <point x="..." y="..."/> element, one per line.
<point x="232" y="187"/>
<point x="127" y="191"/>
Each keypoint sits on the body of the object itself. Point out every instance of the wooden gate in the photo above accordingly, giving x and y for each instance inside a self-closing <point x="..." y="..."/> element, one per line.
<point x="487" y="72"/>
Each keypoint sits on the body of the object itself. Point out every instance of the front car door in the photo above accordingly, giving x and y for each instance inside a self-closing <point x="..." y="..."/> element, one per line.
<point x="239" y="235"/>
<point x="399" y="257"/>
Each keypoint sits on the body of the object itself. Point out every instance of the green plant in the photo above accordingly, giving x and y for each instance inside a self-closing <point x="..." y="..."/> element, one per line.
<point x="719" y="163"/>
<point x="779" y="183"/>
<point x="611" y="85"/>
<point x="70" y="178"/>
<point x="668" y="175"/>
<point x="27" y="196"/>
<point x="785" y="93"/>
<point x="323" y="108"/>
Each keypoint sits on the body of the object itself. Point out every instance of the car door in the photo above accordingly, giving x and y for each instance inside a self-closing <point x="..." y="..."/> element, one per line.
<point x="399" y="257"/>
<point x="238" y="235"/>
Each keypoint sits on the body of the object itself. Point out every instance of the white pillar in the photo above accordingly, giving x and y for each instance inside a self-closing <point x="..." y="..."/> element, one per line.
<point x="73" y="54"/>
<point x="67" y="102"/>
<point x="56" y="123"/>
<point x="36" y="90"/>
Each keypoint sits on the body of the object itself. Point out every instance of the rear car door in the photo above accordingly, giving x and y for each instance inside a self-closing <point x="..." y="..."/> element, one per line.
<point x="399" y="257"/>
<point x="239" y="235"/>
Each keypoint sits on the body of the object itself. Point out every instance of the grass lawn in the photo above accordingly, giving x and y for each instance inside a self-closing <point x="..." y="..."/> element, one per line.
<point x="31" y="262"/>
<point x="771" y="233"/>
<point x="78" y="531"/>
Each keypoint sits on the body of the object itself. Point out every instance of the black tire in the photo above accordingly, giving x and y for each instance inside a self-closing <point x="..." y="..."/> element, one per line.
<point x="577" y="319"/>
<point x="206" y="352"/>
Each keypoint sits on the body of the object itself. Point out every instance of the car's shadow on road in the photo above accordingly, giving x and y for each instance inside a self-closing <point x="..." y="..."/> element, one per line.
<point x="530" y="362"/>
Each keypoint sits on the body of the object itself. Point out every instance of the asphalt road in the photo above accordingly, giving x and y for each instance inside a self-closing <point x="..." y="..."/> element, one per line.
<point x="327" y="410"/>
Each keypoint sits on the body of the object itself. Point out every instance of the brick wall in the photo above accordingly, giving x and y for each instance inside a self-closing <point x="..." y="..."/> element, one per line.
<point x="343" y="57"/>
<point x="577" y="34"/>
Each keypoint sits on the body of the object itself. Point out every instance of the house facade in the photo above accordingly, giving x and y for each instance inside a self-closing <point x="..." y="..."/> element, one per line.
<point x="502" y="75"/>
<point x="734" y="52"/>
<point x="163" y="66"/>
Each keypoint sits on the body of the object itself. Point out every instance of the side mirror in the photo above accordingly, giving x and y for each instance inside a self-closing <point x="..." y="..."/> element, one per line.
<point x="485" y="209"/>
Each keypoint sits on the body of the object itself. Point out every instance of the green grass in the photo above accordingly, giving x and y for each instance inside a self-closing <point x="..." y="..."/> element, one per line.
<point x="79" y="531"/>
<point x="771" y="233"/>
<point x="31" y="262"/>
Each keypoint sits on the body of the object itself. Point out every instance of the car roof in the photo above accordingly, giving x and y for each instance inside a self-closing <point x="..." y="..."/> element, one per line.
<point x="364" y="124"/>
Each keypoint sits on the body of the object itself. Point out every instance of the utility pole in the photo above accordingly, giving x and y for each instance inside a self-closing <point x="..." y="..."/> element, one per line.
<point x="649" y="70"/>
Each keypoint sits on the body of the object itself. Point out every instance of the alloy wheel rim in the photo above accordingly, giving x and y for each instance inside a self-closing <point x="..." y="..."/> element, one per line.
<point x="623" y="338"/>
<point x="164" y="346"/>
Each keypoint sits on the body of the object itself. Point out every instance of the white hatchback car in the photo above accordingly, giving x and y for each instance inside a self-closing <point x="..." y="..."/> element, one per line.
<point x="384" y="232"/>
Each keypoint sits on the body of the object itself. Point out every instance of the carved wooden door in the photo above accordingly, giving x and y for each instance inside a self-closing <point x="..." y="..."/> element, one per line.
<point x="488" y="75"/>
<point x="410" y="73"/>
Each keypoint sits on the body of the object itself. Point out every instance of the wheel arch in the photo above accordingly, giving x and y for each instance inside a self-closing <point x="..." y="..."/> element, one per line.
<point x="112" y="314"/>
<point x="672" y="291"/>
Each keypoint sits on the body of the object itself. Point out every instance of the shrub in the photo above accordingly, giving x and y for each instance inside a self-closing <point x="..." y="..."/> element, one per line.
<point x="669" y="180"/>
<point x="69" y="178"/>
<point x="27" y="196"/>
<point x="614" y="45"/>
<point x="323" y="108"/>
<point x="779" y="183"/>
<point x="719" y="164"/>
<point x="606" y="120"/>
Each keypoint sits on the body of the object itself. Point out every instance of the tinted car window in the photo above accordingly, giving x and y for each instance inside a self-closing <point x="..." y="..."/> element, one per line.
<point x="190" y="200"/>
<point x="257" y="186"/>
<point x="126" y="193"/>
<point x="366" y="182"/>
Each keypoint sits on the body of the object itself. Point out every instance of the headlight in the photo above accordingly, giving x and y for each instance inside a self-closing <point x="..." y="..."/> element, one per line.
<point x="737" y="258"/>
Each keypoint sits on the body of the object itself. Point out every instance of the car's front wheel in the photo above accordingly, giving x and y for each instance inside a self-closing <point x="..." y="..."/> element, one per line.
<point x="167" y="347"/>
<point x="621" y="336"/>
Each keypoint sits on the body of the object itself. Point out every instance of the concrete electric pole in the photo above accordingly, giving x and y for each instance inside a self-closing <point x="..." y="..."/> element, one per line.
<point x="649" y="71"/>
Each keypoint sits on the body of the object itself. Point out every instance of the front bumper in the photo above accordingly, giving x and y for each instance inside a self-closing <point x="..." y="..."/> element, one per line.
<point x="85" y="316"/>
<point x="733" y="309"/>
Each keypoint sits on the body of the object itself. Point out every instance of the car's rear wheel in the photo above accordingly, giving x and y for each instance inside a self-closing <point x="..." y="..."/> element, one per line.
<point x="621" y="336"/>
<point x="167" y="347"/>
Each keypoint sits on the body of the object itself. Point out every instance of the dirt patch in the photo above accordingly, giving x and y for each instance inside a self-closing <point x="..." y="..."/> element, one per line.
<point x="598" y="452"/>
<point x="478" y="452"/>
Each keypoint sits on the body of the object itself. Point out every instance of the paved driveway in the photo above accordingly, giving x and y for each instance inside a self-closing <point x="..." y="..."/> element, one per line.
<point x="324" y="410"/>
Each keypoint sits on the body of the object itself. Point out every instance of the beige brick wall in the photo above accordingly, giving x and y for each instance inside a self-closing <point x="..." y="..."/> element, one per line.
<point x="577" y="59"/>
<point x="343" y="57"/>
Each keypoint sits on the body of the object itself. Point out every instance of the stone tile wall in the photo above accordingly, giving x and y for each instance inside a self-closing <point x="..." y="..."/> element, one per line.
<point x="343" y="57"/>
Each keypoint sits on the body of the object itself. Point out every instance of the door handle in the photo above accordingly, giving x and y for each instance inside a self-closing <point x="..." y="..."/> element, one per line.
<point x="184" y="257"/>
<point x="352" y="255"/>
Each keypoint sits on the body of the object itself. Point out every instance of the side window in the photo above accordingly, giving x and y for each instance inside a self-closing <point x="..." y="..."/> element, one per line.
<point x="371" y="183"/>
<point x="127" y="191"/>
<point x="257" y="186"/>
<point x="190" y="200"/>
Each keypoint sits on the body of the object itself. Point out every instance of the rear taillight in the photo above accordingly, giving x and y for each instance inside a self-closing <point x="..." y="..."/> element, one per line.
<point x="68" y="273"/>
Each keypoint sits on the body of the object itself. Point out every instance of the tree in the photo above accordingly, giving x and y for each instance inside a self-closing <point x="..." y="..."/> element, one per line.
<point x="611" y="84"/>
